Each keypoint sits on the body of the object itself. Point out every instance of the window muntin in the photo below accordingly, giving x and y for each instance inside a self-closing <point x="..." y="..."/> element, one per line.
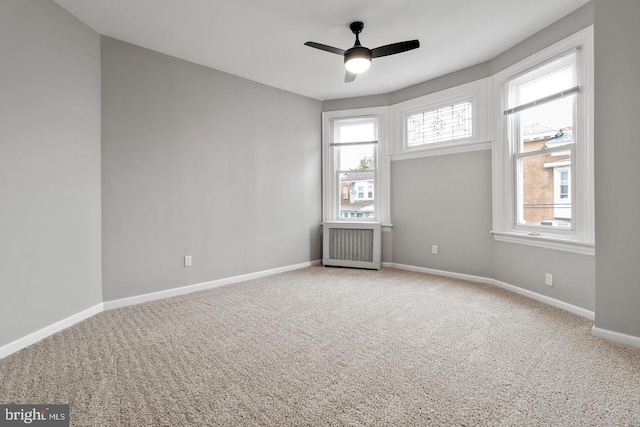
<point x="440" y="124"/>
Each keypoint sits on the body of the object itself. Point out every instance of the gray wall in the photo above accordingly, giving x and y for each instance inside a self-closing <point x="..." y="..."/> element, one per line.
<point x="525" y="267"/>
<point x="446" y="200"/>
<point x="617" y="160"/>
<point x="49" y="167"/>
<point x="202" y="163"/>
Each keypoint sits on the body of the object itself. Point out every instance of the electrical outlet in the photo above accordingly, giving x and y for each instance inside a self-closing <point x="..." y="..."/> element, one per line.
<point x="187" y="261"/>
<point x="548" y="279"/>
<point x="434" y="249"/>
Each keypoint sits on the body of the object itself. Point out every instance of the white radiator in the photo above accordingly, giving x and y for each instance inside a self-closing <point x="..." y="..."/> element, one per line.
<point x="352" y="244"/>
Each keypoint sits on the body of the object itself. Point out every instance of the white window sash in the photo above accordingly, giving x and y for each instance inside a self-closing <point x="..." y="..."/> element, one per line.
<point x="331" y="186"/>
<point x="505" y="228"/>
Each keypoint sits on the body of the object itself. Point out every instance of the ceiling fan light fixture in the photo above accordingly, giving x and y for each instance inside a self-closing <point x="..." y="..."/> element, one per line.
<point x="357" y="59"/>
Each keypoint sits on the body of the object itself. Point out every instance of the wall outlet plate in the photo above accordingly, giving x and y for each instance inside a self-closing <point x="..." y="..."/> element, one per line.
<point x="548" y="279"/>
<point x="187" y="261"/>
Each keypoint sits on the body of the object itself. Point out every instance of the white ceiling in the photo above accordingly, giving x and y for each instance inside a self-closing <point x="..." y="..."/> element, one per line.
<point x="263" y="40"/>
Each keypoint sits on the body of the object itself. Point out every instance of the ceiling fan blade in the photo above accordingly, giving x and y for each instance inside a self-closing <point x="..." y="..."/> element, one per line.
<point x="349" y="77"/>
<point x="325" y="48"/>
<point x="394" y="48"/>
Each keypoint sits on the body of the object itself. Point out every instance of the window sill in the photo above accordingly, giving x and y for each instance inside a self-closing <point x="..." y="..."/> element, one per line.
<point x="385" y="227"/>
<point x="442" y="149"/>
<point x="546" y="242"/>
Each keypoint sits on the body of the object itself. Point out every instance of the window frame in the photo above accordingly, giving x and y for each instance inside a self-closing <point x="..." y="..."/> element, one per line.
<point x="557" y="184"/>
<point x="330" y="180"/>
<point x="505" y="217"/>
<point x="475" y="92"/>
<point x="437" y="110"/>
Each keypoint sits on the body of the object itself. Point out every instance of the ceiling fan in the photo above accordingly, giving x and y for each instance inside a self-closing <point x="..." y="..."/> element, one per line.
<point x="358" y="59"/>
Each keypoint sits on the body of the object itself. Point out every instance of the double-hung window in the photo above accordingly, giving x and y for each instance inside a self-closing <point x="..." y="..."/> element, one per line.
<point x="354" y="151"/>
<point x="541" y="116"/>
<point x="543" y="173"/>
<point x="355" y="165"/>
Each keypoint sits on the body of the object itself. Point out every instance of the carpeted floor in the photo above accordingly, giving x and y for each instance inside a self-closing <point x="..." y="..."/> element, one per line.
<point x="335" y="347"/>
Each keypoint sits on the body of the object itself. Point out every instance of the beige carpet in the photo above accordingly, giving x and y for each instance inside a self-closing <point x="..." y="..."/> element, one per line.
<point x="336" y="347"/>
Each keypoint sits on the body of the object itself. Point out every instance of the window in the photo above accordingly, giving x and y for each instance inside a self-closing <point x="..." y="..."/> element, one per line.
<point x="562" y="184"/>
<point x="451" y="121"/>
<point x="541" y="114"/>
<point x="440" y="124"/>
<point x="355" y="167"/>
<point x="354" y="149"/>
<point x="543" y="173"/>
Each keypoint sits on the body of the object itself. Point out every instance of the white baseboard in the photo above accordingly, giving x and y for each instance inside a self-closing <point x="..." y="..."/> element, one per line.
<point x="515" y="289"/>
<point x="34" y="337"/>
<point x="618" y="337"/>
<point x="443" y="273"/>
<point x="587" y="314"/>
<point x="47" y="331"/>
<point x="138" y="299"/>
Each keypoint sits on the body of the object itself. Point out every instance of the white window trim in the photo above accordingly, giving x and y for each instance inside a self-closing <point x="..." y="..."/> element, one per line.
<point x="558" y="168"/>
<point x="330" y="189"/>
<point x="582" y="240"/>
<point x="476" y="92"/>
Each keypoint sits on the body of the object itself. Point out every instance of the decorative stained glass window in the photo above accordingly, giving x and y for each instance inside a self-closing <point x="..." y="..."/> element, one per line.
<point x="440" y="124"/>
